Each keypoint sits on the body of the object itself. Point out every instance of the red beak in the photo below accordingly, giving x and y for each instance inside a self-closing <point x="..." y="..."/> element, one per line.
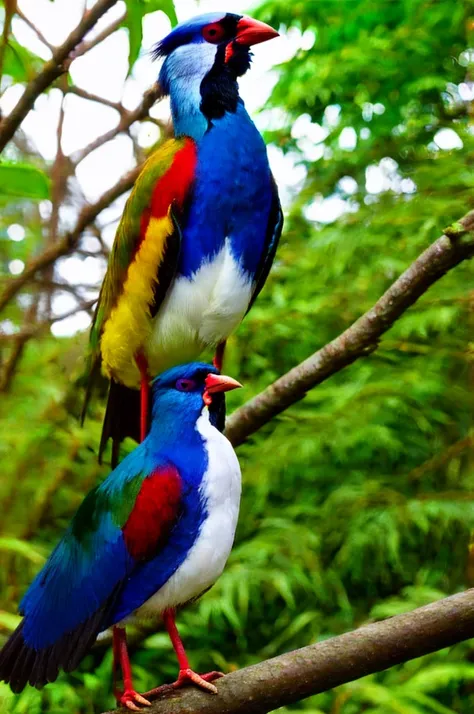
<point x="220" y="383"/>
<point x="251" y="32"/>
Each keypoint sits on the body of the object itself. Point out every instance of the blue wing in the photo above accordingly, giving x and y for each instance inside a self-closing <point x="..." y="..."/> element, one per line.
<point x="272" y="238"/>
<point x="70" y="600"/>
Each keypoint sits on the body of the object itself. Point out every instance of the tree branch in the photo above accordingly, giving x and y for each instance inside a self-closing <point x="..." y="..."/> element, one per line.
<point x="361" y="338"/>
<point x="84" y="47"/>
<point x="296" y="675"/>
<point x="51" y="70"/>
<point x="35" y="29"/>
<point x="70" y="240"/>
<point x="10" y="9"/>
<point x="127" y="118"/>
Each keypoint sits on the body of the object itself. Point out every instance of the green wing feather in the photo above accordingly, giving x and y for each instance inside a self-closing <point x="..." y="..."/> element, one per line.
<point x="128" y="235"/>
<point x="123" y="251"/>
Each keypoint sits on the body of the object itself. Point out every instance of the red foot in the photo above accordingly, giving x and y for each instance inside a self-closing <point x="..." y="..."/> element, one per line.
<point x="186" y="677"/>
<point x="130" y="699"/>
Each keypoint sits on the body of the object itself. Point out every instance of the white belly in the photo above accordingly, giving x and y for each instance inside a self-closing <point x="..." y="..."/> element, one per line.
<point x="221" y="486"/>
<point x="199" y="312"/>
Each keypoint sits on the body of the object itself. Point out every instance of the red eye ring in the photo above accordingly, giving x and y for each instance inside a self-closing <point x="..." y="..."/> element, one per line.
<point x="213" y="33"/>
<point x="185" y="385"/>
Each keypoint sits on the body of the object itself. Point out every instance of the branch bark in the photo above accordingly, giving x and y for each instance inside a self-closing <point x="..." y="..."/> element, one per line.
<point x="311" y="670"/>
<point x="361" y="338"/>
<point x="51" y="71"/>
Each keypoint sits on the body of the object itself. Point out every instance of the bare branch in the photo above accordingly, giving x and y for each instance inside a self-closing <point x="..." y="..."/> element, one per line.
<point x="10" y="8"/>
<point x="35" y="29"/>
<point x="296" y="675"/>
<point x="51" y="71"/>
<point x="35" y="330"/>
<point x="66" y="244"/>
<point x="126" y="120"/>
<point x="361" y="338"/>
<point x="19" y="342"/>
<point x="100" y="37"/>
<point x="84" y="94"/>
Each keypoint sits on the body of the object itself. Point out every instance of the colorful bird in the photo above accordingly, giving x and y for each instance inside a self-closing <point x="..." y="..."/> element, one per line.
<point x="153" y="536"/>
<point x="199" y="232"/>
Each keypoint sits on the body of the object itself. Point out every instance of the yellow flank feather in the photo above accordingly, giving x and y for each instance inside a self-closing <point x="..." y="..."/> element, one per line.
<point x="129" y="326"/>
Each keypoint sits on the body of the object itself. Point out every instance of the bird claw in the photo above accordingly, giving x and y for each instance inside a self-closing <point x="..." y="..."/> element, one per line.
<point x="130" y="698"/>
<point x="186" y="677"/>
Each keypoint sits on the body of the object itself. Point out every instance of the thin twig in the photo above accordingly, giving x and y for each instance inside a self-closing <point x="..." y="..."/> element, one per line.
<point x="35" y="29"/>
<point x="19" y="342"/>
<point x="64" y="246"/>
<point x="361" y="338"/>
<point x="84" y="94"/>
<point x="126" y="120"/>
<point x="10" y="8"/>
<point x="51" y="71"/>
<point x="84" y="46"/>
<point x="35" y="330"/>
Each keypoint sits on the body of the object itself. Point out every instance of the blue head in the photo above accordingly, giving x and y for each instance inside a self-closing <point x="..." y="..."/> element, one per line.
<point x="180" y="394"/>
<point x="203" y="58"/>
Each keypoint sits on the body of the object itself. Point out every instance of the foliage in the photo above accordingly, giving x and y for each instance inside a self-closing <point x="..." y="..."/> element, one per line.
<point x="23" y="181"/>
<point x="357" y="502"/>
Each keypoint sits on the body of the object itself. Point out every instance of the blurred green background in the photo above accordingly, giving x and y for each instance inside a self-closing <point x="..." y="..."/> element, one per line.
<point x="357" y="502"/>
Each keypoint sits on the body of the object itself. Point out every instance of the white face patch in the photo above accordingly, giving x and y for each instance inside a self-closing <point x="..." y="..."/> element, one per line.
<point x="191" y="62"/>
<point x="185" y="70"/>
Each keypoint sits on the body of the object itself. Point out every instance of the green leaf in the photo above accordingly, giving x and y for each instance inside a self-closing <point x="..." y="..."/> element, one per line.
<point x="19" y="63"/>
<point x="136" y="11"/>
<point x="23" y="181"/>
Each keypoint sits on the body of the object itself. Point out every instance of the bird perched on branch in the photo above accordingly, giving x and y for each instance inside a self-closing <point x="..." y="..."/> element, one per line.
<point x="199" y="232"/>
<point x="153" y="536"/>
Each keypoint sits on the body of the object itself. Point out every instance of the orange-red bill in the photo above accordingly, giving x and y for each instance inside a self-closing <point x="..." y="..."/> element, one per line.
<point x="220" y="383"/>
<point x="252" y="32"/>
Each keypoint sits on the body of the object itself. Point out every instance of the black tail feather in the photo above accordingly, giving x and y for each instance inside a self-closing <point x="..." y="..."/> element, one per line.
<point x="20" y="663"/>
<point x="122" y="419"/>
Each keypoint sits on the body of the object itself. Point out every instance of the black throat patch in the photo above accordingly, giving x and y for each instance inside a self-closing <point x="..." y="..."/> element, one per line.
<point x="219" y="89"/>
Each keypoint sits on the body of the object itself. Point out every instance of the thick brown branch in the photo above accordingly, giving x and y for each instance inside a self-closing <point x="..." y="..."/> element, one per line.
<point x="359" y="339"/>
<point x="51" y="70"/>
<point x="293" y="676"/>
<point x="66" y="244"/>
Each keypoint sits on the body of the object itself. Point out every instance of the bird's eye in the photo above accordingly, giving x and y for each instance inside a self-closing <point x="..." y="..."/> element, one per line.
<point x="185" y="385"/>
<point x="214" y="33"/>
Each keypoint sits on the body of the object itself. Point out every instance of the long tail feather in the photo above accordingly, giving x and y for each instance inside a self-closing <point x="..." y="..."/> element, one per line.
<point x="21" y="664"/>
<point x="122" y="419"/>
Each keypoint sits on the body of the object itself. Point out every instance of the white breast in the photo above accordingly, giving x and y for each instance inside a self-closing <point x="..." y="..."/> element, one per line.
<point x="220" y="488"/>
<point x="200" y="311"/>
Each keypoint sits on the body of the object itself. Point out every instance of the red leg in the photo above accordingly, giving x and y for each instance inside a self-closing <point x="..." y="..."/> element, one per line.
<point x="142" y="365"/>
<point x="219" y="355"/>
<point x="115" y="662"/>
<point x="129" y="698"/>
<point x="186" y="674"/>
